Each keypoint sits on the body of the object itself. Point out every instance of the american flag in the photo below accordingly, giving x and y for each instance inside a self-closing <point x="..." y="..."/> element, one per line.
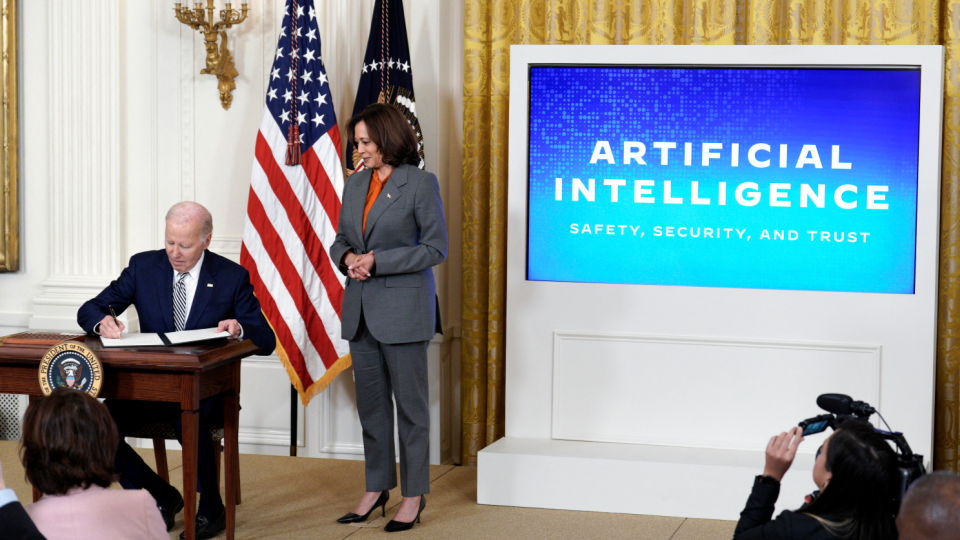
<point x="293" y="210"/>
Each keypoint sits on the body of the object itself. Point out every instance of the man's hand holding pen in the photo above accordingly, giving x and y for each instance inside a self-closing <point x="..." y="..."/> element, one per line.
<point x="110" y="327"/>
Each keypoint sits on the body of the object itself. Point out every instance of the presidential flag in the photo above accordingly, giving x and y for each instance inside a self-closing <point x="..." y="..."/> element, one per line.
<point x="387" y="76"/>
<point x="294" y="206"/>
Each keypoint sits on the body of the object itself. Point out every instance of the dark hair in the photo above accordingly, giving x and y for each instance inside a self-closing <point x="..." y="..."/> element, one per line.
<point x="69" y="440"/>
<point x="859" y="501"/>
<point x="932" y="505"/>
<point x="389" y="129"/>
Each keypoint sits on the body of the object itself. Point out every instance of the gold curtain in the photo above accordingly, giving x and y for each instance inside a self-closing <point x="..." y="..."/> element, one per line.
<point x="491" y="26"/>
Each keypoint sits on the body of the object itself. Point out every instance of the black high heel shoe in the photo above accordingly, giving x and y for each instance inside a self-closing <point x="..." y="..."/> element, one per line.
<point x="354" y="518"/>
<point x="396" y="526"/>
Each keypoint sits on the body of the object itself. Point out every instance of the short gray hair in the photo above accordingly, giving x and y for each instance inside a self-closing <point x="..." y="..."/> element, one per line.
<point x="933" y="504"/>
<point x="191" y="211"/>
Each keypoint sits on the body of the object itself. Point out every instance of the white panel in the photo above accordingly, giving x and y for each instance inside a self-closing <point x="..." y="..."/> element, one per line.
<point x="265" y="403"/>
<point x="640" y="389"/>
<point x="341" y="425"/>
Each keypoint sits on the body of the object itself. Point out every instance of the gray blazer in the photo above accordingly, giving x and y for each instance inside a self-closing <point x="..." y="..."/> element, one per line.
<point x="407" y="234"/>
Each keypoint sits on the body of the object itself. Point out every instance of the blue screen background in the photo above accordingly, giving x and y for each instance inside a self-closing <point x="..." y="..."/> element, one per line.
<point x="873" y="115"/>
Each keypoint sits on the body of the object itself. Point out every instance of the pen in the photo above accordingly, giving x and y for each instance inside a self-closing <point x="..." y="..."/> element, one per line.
<point x="114" y="315"/>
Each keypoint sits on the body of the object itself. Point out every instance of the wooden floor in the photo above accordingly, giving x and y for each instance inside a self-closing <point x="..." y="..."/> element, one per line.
<point x="300" y="498"/>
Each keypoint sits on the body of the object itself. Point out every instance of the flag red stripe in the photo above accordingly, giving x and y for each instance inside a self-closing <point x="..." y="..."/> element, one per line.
<point x="272" y="312"/>
<point x="288" y="274"/>
<point x="315" y="249"/>
<point x="334" y="133"/>
<point x="322" y="186"/>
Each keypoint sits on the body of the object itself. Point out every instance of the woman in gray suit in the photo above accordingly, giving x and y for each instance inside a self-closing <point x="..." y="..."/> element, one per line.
<point x="390" y="235"/>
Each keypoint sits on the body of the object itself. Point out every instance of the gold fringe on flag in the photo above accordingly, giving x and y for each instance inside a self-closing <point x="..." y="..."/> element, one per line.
<point x="306" y="394"/>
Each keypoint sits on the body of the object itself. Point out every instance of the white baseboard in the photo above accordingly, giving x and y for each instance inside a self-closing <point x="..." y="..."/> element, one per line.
<point x="702" y="483"/>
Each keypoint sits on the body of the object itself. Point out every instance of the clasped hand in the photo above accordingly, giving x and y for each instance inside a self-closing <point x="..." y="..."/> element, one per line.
<point x="781" y="450"/>
<point x="359" y="267"/>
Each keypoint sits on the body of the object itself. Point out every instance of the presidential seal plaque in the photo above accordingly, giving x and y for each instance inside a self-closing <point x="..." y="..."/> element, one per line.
<point x="73" y="365"/>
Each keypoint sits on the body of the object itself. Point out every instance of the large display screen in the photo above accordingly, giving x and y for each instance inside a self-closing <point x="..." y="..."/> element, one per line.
<point x="752" y="177"/>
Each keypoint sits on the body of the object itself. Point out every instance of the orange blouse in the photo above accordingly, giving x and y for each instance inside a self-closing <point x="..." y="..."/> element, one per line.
<point x="376" y="186"/>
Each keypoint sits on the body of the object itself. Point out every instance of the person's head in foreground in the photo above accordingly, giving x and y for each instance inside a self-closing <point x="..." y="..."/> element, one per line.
<point x="856" y="471"/>
<point x="931" y="508"/>
<point x="68" y="442"/>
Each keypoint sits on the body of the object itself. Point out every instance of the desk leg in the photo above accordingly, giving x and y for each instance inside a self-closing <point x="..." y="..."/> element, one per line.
<point x="231" y="421"/>
<point x="191" y="427"/>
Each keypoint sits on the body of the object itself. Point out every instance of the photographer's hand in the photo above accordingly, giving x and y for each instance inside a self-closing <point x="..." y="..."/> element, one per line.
<point x="780" y="453"/>
<point x="2" y="485"/>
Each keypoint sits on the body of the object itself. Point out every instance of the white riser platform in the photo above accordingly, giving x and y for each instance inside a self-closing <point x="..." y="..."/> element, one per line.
<point x="629" y="479"/>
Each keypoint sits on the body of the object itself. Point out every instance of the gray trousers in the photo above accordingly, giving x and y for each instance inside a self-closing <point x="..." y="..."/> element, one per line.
<point x="401" y="369"/>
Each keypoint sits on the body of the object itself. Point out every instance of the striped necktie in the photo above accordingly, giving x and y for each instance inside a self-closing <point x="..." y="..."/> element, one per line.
<point x="180" y="302"/>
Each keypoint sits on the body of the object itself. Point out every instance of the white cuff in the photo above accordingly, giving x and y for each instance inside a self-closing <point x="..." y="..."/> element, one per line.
<point x="7" y="496"/>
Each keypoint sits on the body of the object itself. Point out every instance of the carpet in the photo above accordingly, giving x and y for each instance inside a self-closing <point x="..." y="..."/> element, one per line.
<point x="288" y="498"/>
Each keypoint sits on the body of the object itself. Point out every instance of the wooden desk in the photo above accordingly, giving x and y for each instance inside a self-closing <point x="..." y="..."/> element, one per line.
<point x="182" y="374"/>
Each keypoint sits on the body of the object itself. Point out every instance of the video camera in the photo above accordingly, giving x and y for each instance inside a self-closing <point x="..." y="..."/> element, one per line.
<point x="841" y="407"/>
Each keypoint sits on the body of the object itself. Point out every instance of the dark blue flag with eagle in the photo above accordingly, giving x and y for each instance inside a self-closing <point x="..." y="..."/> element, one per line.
<point x="387" y="76"/>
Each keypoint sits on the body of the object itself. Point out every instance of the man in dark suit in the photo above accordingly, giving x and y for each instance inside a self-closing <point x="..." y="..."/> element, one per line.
<point x="14" y="521"/>
<point x="182" y="287"/>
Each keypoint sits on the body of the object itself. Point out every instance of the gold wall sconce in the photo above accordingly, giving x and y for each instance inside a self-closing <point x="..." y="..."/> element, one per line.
<point x="219" y="59"/>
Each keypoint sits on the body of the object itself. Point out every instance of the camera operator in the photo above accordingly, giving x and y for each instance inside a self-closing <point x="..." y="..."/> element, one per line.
<point x="855" y="472"/>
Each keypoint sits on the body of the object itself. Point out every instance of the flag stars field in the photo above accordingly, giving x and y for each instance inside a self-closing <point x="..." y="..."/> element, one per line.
<point x="392" y="64"/>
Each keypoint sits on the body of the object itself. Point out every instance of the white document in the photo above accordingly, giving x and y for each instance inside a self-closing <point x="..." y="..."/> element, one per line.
<point x="190" y="336"/>
<point x="133" y="340"/>
<point x="154" y="340"/>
